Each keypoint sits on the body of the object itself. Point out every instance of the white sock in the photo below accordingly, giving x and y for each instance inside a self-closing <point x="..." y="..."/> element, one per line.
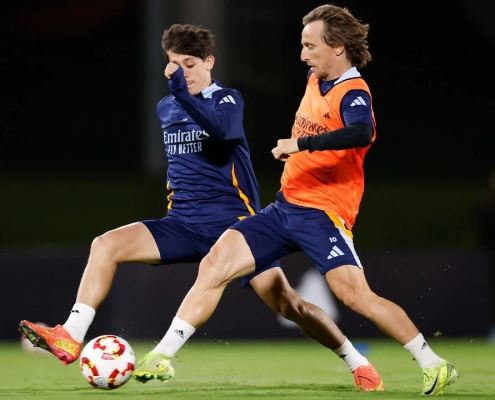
<point x="80" y="318"/>
<point x="422" y="352"/>
<point x="175" y="338"/>
<point x="352" y="358"/>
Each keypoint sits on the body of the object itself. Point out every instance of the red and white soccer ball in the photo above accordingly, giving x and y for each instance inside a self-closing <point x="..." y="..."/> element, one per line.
<point x="107" y="362"/>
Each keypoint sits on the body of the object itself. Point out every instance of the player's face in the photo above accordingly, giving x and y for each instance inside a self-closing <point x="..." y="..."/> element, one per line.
<point x="196" y="71"/>
<point x="317" y="54"/>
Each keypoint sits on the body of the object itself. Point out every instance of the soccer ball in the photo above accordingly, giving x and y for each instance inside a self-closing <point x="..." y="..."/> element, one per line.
<point x="107" y="362"/>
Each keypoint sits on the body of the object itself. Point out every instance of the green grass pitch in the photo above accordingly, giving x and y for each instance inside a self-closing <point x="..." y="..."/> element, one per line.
<point x="272" y="369"/>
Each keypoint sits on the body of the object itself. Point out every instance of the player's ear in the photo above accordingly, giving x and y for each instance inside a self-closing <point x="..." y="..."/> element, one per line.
<point x="339" y="50"/>
<point x="210" y="62"/>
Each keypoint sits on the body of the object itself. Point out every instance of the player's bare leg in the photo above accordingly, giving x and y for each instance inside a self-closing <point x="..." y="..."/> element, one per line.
<point x="229" y="259"/>
<point x="274" y="289"/>
<point x="129" y="243"/>
<point x="349" y="284"/>
<point x="132" y="242"/>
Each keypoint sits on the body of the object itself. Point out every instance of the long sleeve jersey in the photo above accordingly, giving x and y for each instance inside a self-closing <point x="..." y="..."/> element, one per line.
<point x="210" y="174"/>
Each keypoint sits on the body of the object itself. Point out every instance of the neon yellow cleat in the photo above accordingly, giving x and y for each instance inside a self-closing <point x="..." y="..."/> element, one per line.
<point x="153" y="366"/>
<point x="437" y="378"/>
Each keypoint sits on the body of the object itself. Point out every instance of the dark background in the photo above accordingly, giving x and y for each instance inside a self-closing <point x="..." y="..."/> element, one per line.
<point x="73" y="77"/>
<point x="78" y="154"/>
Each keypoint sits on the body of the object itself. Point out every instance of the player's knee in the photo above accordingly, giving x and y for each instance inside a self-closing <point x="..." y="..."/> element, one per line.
<point x="349" y="299"/>
<point x="214" y="268"/>
<point x="356" y="300"/>
<point x="104" y="246"/>
<point x="292" y="307"/>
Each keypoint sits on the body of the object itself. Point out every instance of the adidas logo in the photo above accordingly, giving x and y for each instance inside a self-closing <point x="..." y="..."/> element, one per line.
<point x="74" y="311"/>
<point x="326" y="115"/>
<point x="227" y="99"/>
<point x="335" y="252"/>
<point x="358" y="102"/>
<point x="425" y="345"/>
<point x="180" y="333"/>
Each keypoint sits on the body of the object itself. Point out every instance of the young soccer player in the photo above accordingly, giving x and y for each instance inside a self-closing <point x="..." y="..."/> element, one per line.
<point x="315" y="210"/>
<point x="213" y="186"/>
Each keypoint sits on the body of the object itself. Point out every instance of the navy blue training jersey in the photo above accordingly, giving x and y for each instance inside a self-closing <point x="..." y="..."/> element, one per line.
<point x="210" y="175"/>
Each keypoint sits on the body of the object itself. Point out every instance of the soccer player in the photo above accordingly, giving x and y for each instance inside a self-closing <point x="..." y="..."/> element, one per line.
<point x="212" y="186"/>
<point x="322" y="186"/>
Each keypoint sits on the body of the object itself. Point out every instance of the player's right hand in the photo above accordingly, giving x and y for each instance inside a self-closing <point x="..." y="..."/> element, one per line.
<point x="170" y="69"/>
<point x="284" y="148"/>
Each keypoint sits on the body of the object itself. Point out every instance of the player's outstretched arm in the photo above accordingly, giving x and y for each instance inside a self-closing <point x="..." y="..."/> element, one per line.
<point x="349" y="137"/>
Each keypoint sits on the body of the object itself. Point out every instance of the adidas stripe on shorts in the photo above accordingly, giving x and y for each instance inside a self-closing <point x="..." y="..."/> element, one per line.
<point x="273" y="233"/>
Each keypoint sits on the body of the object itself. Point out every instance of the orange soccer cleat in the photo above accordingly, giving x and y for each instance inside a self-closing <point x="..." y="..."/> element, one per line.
<point x="367" y="379"/>
<point x="54" y="340"/>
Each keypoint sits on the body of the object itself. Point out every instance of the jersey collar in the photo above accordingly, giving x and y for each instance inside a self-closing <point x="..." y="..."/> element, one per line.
<point x="349" y="74"/>
<point x="208" y="91"/>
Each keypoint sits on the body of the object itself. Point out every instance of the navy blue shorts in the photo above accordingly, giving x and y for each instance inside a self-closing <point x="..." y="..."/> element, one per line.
<point x="272" y="234"/>
<point x="182" y="242"/>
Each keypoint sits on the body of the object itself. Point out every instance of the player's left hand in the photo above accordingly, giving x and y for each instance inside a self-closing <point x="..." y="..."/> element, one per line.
<point x="284" y="148"/>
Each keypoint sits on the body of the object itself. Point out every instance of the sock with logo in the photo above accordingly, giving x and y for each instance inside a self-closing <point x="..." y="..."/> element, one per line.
<point x="79" y="320"/>
<point x="352" y="358"/>
<point x="422" y="352"/>
<point x="176" y="337"/>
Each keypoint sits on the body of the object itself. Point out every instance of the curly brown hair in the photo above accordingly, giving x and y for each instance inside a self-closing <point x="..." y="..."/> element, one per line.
<point x="189" y="40"/>
<point x="342" y="28"/>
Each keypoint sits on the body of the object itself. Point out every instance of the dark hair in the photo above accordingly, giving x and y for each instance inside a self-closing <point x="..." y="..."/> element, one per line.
<point x="342" y="28"/>
<point x="189" y="40"/>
